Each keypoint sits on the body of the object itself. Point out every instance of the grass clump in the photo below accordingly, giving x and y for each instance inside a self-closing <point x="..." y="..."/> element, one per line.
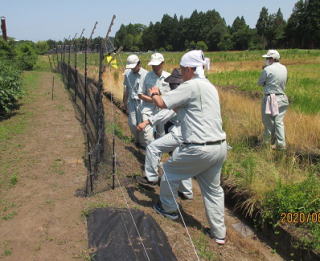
<point x="114" y="127"/>
<point x="304" y="198"/>
<point x="202" y="245"/>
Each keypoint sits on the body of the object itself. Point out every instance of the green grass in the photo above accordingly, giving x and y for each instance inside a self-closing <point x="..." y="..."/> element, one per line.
<point x="202" y="245"/>
<point x="277" y="184"/>
<point x="42" y="64"/>
<point x="303" y="67"/>
<point x="16" y="125"/>
<point x="57" y="167"/>
<point x="13" y="126"/>
<point x="92" y="206"/>
<point x="302" y="87"/>
<point x="114" y="127"/>
<point x="7" y="252"/>
<point x="301" y="197"/>
<point x="6" y="210"/>
<point x="13" y="179"/>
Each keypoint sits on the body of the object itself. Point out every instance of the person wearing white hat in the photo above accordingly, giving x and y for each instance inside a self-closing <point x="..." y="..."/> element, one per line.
<point x="204" y="146"/>
<point x="153" y="78"/>
<point x="275" y="102"/>
<point x="166" y="143"/>
<point x="132" y="79"/>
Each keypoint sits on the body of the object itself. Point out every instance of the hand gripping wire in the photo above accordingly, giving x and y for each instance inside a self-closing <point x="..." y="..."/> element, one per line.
<point x="183" y="221"/>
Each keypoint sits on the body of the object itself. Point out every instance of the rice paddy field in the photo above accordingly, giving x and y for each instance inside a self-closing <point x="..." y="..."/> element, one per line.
<point x="277" y="181"/>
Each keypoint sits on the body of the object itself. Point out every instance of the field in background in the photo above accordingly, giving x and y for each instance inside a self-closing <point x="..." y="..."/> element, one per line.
<point x="276" y="181"/>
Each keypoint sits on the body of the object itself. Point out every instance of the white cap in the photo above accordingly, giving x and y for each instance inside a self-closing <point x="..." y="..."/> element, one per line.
<point x="272" y="54"/>
<point x="132" y="61"/>
<point x="156" y="59"/>
<point x="193" y="59"/>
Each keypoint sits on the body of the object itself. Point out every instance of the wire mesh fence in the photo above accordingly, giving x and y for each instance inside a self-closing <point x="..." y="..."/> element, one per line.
<point x="87" y="97"/>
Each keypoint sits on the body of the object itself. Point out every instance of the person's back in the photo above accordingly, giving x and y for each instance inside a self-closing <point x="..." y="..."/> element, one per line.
<point x="275" y="103"/>
<point x="274" y="78"/>
<point x="201" y="117"/>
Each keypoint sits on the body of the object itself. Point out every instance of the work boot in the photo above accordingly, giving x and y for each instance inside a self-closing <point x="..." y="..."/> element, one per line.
<point x="143" y="181"/>
<point x="171" y="215"/>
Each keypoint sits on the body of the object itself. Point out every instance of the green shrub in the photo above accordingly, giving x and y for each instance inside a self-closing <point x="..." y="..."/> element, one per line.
<point x="10" y="87"/>
<point x="296" y="198"/>
<point x="299" y="197"/>
<point x="6" y="50"/>
<point x="26" y="56"/>
<point x="42" y="47"/>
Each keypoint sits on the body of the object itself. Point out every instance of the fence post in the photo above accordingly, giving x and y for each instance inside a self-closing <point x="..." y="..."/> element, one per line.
<point x="85" y="80"/>
<point x="76" y="72"/>
<point x="52" y="88"/>
<point x="50" y="62"/>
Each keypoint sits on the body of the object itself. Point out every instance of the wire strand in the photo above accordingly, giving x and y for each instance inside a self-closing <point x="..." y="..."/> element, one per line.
<point x="183" y="221"/>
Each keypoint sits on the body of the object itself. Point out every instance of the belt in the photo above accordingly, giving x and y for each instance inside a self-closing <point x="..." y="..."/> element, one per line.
<point x="274" y="94"/>
<point x="205" y="143"/>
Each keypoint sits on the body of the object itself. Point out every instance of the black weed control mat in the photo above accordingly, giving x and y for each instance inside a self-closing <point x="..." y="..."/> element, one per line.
<point x="113" y="236"/>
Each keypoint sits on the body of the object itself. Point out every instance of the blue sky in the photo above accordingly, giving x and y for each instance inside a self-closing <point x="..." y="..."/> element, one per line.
<point x="41" y="19"/>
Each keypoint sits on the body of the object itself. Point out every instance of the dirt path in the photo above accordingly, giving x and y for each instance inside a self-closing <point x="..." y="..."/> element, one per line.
<point x="46" y="224"/>
<point x="41" y="219"/>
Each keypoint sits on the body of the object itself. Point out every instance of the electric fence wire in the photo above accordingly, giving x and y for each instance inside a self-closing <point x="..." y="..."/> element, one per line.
<point x="116" y="177"/>
<point x="180" y="213"/>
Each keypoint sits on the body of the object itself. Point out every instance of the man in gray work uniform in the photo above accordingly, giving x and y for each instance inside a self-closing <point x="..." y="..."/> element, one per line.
<point x="132" y="79"/>
<point x="275" y="103"/>
<point x="204" y="148"/>
<point x="166" y="143"/>
<point x="153" y="78"/>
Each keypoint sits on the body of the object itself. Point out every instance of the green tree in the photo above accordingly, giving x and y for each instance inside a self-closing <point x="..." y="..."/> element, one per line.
<point x="312" y="24"/>
<point x="215" y="30"/>
<point x="262" y="25"/>
<point x="51" y="43"/>
<point x="201" y="45"/>
<point x="295" y="27"/>
<point x="149" y="38"/>
<point x="275" y="30"/>
<point x="130" y="37"/>
<point x="241" y="34"/>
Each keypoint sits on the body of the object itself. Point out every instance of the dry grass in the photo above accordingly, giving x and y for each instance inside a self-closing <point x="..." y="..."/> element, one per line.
<point x="242" y="118"/>
<point x="113" y="82"/>
<point x="242" y="115"/>
<point x="217" y="67"/>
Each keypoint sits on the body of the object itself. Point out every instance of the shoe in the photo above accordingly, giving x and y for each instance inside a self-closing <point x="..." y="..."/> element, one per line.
<point x="143" y="181"/>
<point x="171" y="215"/>
<point x="139" y="146"/>
<point x="219" y="241"/>
<point x="183" y="196"/>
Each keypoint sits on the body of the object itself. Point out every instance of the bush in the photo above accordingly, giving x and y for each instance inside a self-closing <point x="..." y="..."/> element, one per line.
<point x="42" y="47"/>
<point x="6" y="50"/>
<point x="26" y="56"/>
<point x="10" y="87"/>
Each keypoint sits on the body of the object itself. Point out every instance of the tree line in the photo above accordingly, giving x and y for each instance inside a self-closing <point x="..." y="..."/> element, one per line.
<point x="208" y="31"/>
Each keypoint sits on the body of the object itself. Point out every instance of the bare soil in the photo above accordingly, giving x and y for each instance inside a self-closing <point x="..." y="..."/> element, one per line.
<point x="49" y="222"/>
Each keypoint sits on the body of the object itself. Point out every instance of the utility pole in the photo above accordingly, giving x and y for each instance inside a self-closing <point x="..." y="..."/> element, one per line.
<point x="4" y="28"/>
